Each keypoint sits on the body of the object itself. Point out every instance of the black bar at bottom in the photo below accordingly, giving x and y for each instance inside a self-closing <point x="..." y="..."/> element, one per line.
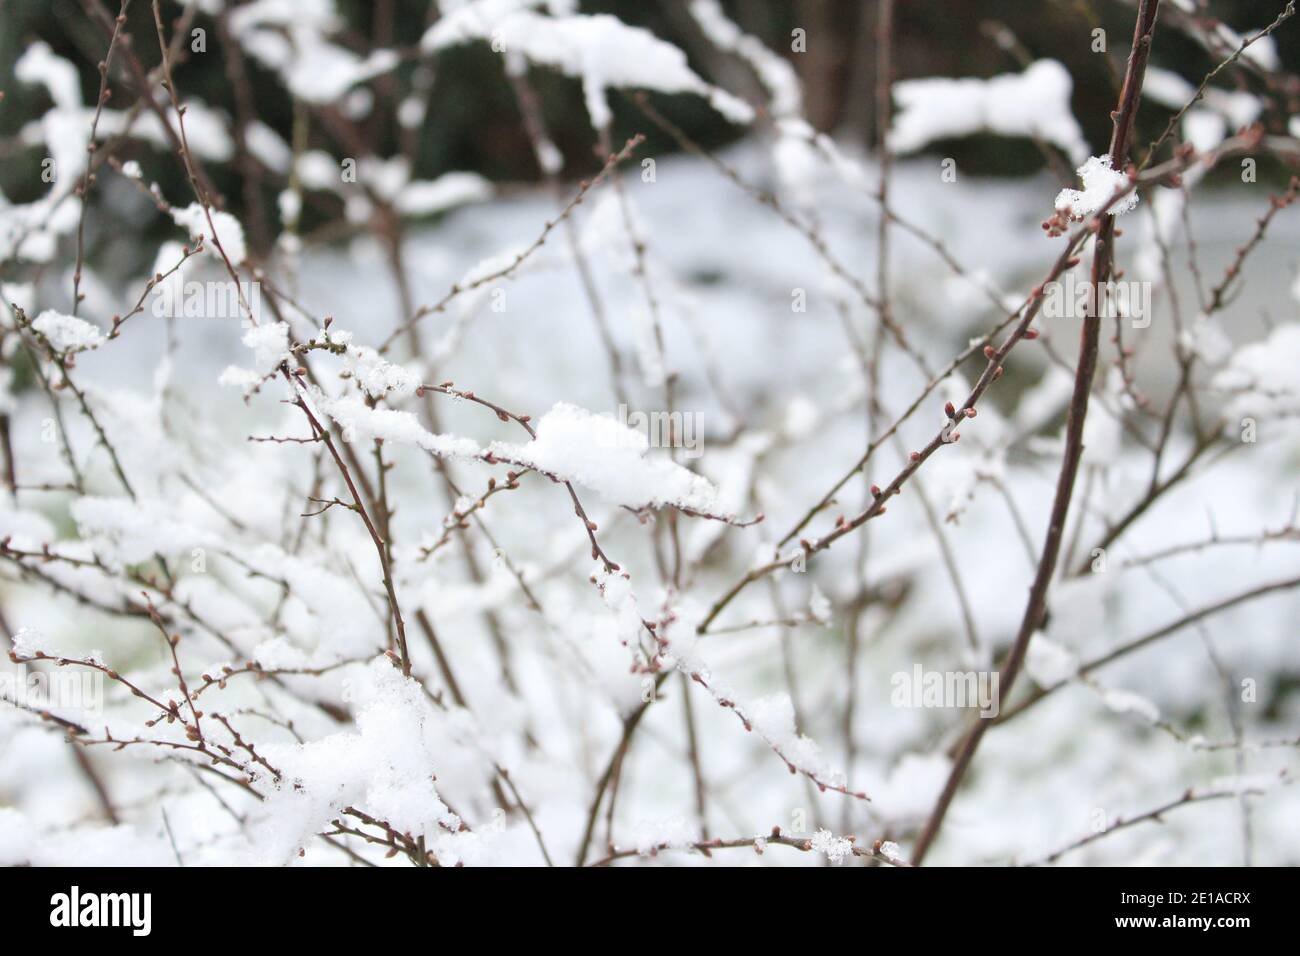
<point x="310" y="905"/>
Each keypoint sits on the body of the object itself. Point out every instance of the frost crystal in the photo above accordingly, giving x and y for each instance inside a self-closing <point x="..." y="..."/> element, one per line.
<point x="837" y="849"/>
<point x="28" y="642"/>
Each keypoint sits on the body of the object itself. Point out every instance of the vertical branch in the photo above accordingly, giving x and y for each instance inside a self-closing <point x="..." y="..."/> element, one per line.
<point x="1103" y="262"/>
<point x="693" y="749"/>
<point x="198" y="182"/>
<point x="884" y="36"/>
<point x="87" y="178"/>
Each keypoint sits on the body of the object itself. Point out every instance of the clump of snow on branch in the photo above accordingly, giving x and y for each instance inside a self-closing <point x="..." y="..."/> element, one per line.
<point x="654" y="835"/>
<point x="601" y="453"/>
<point x="1128" y="702"/>
<point x="229" y="233"/>
<point x="892" y="852"/>
<point x="360" y="420"/>
<point x="387" y="765"/>
<point x="67" y="333"/>
<point x="772" y="718"/>
<point x="1048" y="663"/>
<point x="270" y="346"/>
<point x="378" y="376"/>
<point x="1101" y="183"/>
<point x="837" y="849"/>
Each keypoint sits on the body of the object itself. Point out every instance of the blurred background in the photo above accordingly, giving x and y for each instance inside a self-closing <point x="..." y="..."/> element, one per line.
<point x="473" y="122"/>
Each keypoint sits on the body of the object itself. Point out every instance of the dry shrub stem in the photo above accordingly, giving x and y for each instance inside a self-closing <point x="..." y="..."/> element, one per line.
<point x="1103" y="262"/>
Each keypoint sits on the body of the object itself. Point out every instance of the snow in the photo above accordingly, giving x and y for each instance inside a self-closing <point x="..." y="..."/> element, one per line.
<point x="168" y="263"/>
<point x="1035" y="103"/>
<point x="289" y="204"/>
<point x="601" y="453"/>
<point x="1048" y="663"/>
<point x="892" y="852"/>
<point x="1101" y="181"/>
<point x="67" y="333"/>
<point x="377" y="376"/>
<point x="837" y="849"/>
<point x="229" y="233"/>
<point x="322" y="72"/>
<point x="267" y="145"/>
<point x="1263" y="53"/>
<point x="244" y="379"/>
<point x="1127" y="702"/>
<point x="1259" y="378"/>
<point x="912" y="786"/>
<point x="424" y="198"/>
<point x="1204" y="130"/>
<point x="388" y="765"/>
<point x="661" y="834"/>
<point x="1238" y="107"/>
<point x="205" y="128"/>
<point x="550" y="649"/>
<point x="1238" y="784"/>
<point x="90" y="845"/>
<point x="291" y="40"/>
<point x="40" y="65"/>
<point x="27" y="642"/>
<point x="390" y="180"/>
<point x="124" y="532"/>
<point x="1167" y="88"/>
<point x="776" y="74"/>
<point x="392" y="425"/>
<point x="16" y="837"/>
<point x="600" y="50"/>
<point x="772" y="718"/>
<point x="317" y="170"/>
<point x="819" y="606"/>
<point x="269" y="343"/>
